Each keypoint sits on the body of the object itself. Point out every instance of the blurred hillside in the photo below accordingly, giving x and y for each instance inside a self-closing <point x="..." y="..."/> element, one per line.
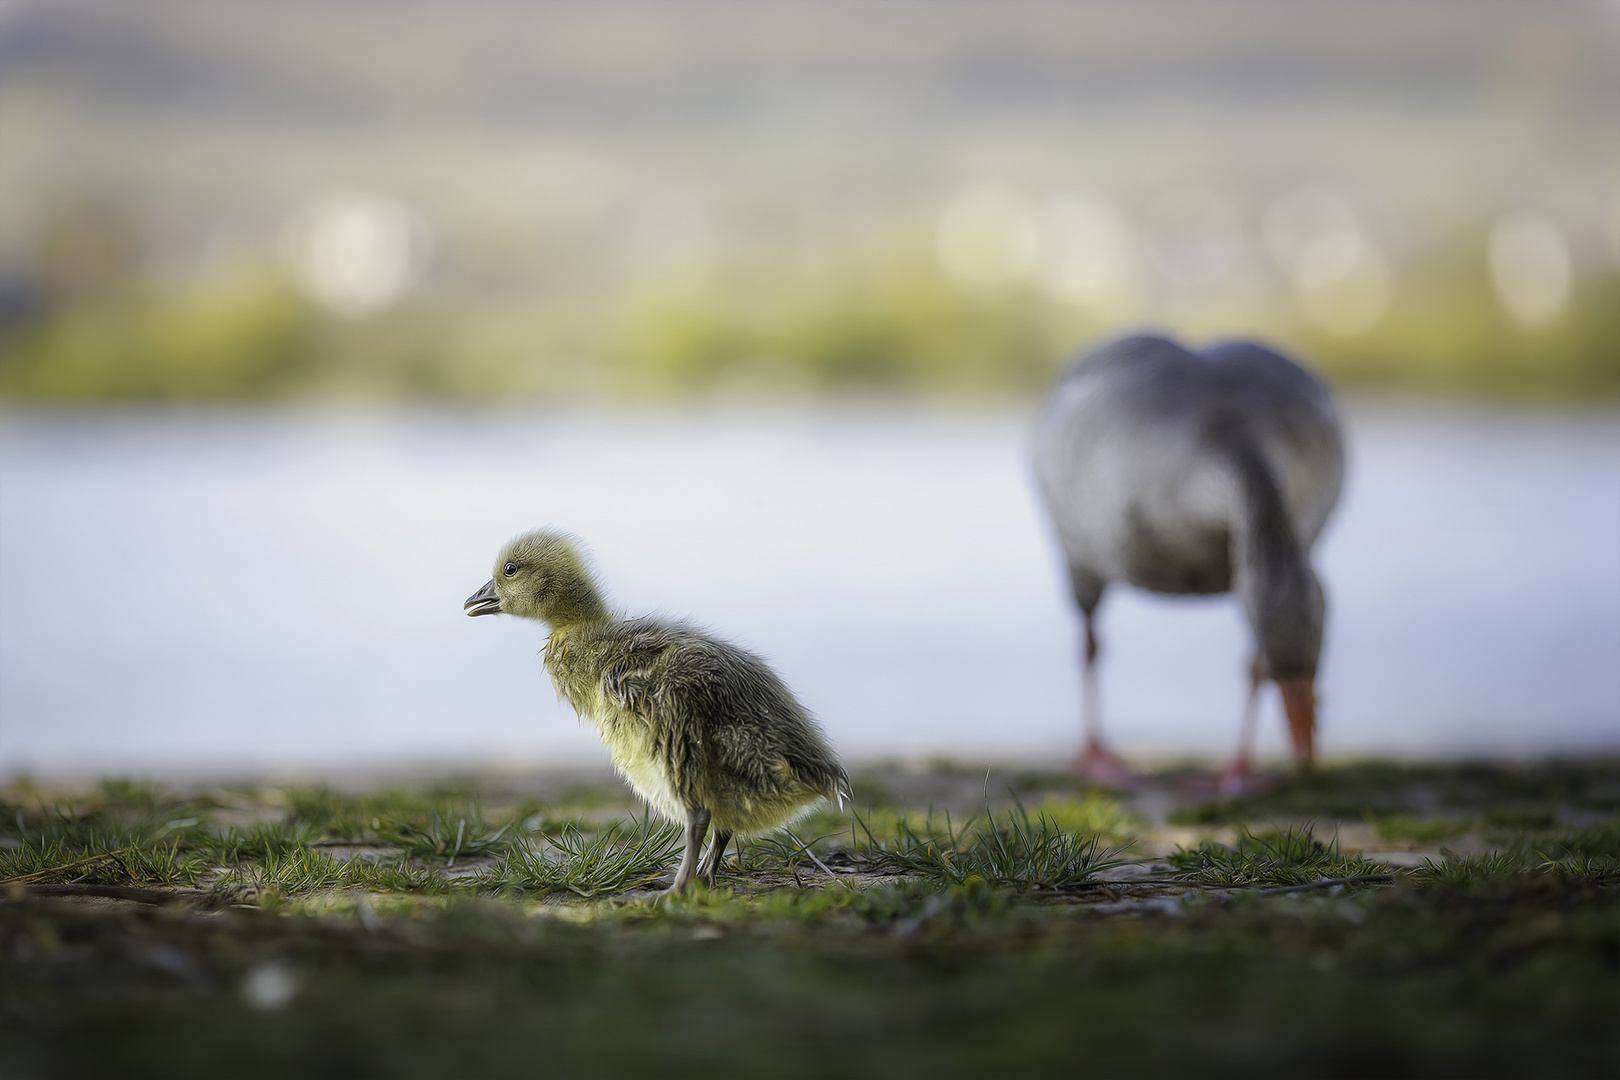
<point x="499" y="200"/>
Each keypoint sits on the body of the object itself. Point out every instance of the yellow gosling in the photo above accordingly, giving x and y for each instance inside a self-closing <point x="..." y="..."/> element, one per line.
<point x="704" y="731"/>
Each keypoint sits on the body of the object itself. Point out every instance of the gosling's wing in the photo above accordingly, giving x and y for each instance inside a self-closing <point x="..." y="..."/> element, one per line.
<point x="633" y="671"/>
<point x="711" y="706"/>
<point x="674" y="682"/>
<point x="764" y="737"/>
<point x="698" y="694"/>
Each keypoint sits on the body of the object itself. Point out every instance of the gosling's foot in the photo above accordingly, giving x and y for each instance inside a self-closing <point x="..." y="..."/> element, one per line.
<point x="1098" y="766"/>
<point x="697" y="886"/>
<point x="709" y="865"/>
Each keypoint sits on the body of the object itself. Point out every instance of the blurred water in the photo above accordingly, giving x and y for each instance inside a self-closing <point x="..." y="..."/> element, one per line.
<point x="262" y="590"/>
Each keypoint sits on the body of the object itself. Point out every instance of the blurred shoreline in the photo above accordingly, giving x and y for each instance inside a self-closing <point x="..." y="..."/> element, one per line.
<point x="542" y="778"/>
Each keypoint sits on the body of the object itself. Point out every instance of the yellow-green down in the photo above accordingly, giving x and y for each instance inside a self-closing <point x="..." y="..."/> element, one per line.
<point x="703" y="730"/>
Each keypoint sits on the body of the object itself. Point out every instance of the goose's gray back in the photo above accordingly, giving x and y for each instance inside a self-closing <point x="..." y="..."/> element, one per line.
<point x="1139" y="449"/>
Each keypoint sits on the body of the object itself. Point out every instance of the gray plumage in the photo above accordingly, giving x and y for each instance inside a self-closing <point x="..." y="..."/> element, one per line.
<point x="1188" y="473"/>
<point x="703" y="730"/>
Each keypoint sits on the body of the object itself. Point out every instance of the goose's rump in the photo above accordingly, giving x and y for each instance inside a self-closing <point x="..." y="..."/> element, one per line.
<point x="1134" y="455"/>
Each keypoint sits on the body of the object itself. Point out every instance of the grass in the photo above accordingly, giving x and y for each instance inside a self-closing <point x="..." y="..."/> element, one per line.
<point x="1013" y="851"/>
<point x="1585" y="856"/>
<point x="446" y="836"/>
<point x="108" y="859"/>
<point x="1423" y="791"/>
<point x="1287" y="856"/>
<point x="614" y="859"/>
<point x="1004" y="935"/>
<point x="1418" y="829"/>
<point x="305" y="871"/>
<point x="1492" y="869"/>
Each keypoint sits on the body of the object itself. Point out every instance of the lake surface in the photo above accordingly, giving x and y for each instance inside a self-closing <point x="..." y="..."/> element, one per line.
<point x="251" y="591"/>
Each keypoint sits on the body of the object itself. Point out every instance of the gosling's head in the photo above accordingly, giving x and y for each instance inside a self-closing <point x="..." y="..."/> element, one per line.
<point x="540" y="575"/>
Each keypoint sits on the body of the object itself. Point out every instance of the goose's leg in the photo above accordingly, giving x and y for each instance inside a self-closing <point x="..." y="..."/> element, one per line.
<point x="709" y="865"/>
<point x="1238" y="780"/>
<point x="697" y="825"/>
<point x="1095" y="762"/>
<point x="1299" y="705"/>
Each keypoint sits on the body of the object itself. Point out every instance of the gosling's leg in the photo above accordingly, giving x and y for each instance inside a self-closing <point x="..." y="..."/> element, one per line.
<point x="710" y="863"/>
<point x="697" y="826"/>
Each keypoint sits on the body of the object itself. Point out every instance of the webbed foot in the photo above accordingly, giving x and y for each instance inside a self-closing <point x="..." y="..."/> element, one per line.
<point x="1098" y="766"/>
<point x="1239" y="781"/>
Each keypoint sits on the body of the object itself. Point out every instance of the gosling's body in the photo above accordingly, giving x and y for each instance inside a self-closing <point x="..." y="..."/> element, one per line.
<point x="703" y="730"/>
<point x="692" y="721"/>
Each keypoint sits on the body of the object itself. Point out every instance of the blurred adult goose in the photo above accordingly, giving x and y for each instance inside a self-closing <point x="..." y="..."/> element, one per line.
<point x="1186" y="473"/>
<point x="703" y="730"/>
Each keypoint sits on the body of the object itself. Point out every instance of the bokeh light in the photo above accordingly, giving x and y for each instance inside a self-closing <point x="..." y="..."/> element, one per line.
<point x="1306" y="216"/>
<point x="1090" y="254"/>
<point x="1194" y="238"/>
<point x="356" y="255"/>
<point x="1341" y="279"/>
<point x="1343" y="283"/>
<point x="987" y="239"/>
<point x="1612" y="220"/>
<point x="1530" y="269"/>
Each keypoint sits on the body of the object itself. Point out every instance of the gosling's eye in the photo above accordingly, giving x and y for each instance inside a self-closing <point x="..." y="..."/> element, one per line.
<point x="510" y="569"/>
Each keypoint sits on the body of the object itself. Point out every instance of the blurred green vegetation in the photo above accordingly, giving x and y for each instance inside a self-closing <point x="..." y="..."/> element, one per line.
<point x="520" y="205"/>
<point x="906" y="331"/>
<point x="245" y="335"/>
<point x="1451" y="338"/>
<point x="242" y="340"/>
<point x="1398" y="798"/>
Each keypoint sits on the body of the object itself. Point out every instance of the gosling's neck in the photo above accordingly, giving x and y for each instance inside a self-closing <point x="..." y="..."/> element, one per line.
<point x="575" y="607"/>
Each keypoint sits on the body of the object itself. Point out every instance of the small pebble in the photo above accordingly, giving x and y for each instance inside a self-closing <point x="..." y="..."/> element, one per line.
<point x="269" y="987"/>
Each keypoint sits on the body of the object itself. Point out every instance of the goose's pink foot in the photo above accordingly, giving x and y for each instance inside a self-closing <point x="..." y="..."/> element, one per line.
<point x="1100" y="767"/>
<point x="1239" y="781"/>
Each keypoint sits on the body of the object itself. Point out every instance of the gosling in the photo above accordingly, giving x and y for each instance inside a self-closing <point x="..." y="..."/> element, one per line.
<point x="704" y="731"/>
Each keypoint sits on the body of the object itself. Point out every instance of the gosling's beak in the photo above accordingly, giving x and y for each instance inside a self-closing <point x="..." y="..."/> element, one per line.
<point x="485" y="601"/>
